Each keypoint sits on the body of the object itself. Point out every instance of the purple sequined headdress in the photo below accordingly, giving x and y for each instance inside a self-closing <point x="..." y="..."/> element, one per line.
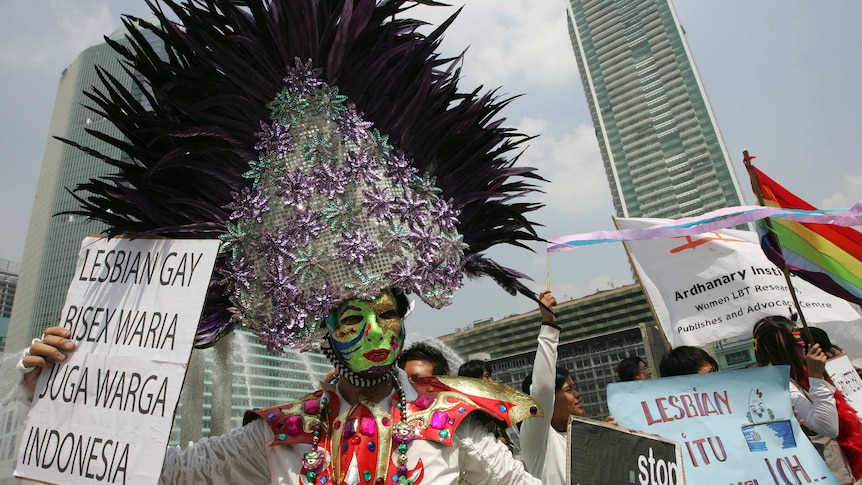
<point x="325" y="143"/>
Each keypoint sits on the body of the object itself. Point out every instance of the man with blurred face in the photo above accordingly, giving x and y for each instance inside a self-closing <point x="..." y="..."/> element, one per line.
<point x="633" y="368"/>
<point x="423" y="360"/>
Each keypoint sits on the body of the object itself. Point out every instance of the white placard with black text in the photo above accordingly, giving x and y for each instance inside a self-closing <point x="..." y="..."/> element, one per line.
<point x="104" y="414"/>
<point x="846" y="379"/>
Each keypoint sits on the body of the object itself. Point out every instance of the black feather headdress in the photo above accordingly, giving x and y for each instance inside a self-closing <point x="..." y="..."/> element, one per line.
<point x="324" y="141"/>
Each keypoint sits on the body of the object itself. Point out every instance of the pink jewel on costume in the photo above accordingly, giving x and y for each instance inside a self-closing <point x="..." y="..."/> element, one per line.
<point x="423" y="401"/>
<point x="311" y="407"/>
<point x="294" y="425"/>
<point x="367" y="426"/>
<point x="315" y="460"/>
<point x="402" y="432"/>
<point x="438" y="420"/>
<point x="385" y="421"/>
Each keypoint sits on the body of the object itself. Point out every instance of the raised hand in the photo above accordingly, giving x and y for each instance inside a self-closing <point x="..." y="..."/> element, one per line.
<point x="548" y="300"/>
<point x="816" y="359"/>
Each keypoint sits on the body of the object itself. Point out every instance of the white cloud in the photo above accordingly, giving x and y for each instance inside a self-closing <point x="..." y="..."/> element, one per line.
<point x="531" y="126"/>
<point x="851" y="193"/>
<point x="66" y="29"/>
<point x="573" y="165"/>
<point x="511" y="39"/>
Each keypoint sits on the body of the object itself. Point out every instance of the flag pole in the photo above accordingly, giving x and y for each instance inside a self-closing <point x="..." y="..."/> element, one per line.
<point x="746" y="158"/>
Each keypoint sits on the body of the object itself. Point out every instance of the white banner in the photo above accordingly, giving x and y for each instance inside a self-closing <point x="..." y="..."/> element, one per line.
<point x="716" y="285"/>
<point x="104" y="414"/>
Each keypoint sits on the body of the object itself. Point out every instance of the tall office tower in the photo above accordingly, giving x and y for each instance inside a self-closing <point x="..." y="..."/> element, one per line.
<point x="53" y="241"/>
<point x="8" y="282"/>
<point x="663" y="153"/>
<point x="238" y="373"/>
<point x="221" y="386"/>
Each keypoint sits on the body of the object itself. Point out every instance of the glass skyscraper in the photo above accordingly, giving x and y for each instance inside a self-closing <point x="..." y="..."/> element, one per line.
<point x="8" y="282"/>
<point x="663" y="153"/>
<point x="52" y="240"/>
<point x="222" y="382"/>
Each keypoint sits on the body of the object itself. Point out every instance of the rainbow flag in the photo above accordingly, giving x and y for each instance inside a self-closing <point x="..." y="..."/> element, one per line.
<point x="826" y="255"/>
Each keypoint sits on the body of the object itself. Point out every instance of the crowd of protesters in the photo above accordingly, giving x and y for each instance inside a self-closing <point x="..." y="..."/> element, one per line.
<point x="540" y="443"/>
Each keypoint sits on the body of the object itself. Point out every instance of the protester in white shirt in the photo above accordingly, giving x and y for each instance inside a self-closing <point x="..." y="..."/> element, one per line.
<point x="777" y="342"/>
<point x="543" y="440"/>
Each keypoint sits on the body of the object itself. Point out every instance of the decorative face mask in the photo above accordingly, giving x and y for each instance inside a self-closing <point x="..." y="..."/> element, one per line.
<point x="369" y="335"/>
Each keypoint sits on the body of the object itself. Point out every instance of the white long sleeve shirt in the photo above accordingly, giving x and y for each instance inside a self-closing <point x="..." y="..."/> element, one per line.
<point x="817" y="410"/>
<point x="543" y="449"/>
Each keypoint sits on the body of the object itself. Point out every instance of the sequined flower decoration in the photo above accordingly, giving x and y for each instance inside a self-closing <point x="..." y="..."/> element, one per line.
<point x="275" y="140"/>
<point x="294" y="188"/>
<point x="250" y="205"/>
<point x="352" y="127"/>
<point x="302" y="78"/>
<point x="356" y="247"/>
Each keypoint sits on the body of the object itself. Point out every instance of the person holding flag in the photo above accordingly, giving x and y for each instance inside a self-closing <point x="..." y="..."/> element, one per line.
<point x="777" y="342"/>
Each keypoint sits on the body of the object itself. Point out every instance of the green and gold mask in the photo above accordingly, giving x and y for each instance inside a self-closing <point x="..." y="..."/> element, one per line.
<point x="369" y="335"/>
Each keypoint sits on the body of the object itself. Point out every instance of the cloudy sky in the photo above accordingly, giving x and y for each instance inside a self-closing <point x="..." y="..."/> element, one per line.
<point x="783" y="78"/>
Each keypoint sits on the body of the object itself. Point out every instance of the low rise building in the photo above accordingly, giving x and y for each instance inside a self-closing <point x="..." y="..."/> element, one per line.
<point x="598" y="331"/>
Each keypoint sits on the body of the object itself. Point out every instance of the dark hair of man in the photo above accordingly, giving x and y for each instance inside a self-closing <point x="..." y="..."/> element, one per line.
<point x="685" y="360"/>
<point x="819" y="336"/>
<point x="776" y="344"/>
<point x="427" y="352"/>
<point x="474" y="368"/>
<point x="629" y="368"/>
<point x="559" y="380"/>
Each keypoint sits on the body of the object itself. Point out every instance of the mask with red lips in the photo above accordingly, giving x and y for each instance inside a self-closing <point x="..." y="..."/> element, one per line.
<point x="367" y="338"/>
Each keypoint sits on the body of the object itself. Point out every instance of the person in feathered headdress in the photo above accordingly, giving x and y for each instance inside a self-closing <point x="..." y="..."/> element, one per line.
<point x="326" y="144"/>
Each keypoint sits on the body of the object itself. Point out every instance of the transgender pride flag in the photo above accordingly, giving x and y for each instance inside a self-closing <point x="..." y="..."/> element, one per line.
<point x="826" y="255"/>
